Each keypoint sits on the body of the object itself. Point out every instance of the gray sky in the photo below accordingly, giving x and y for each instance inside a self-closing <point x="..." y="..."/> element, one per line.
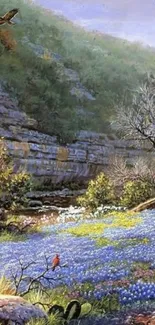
<point x="130" y="19"/>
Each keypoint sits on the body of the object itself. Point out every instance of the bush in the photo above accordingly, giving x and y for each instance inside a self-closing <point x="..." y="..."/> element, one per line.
<point x="100" y="191"/>
<point x="135" y="192"/>
<point x="13" y="187"/>
<point x="6" y="39"/>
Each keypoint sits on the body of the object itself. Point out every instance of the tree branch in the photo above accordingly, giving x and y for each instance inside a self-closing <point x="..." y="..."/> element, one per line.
<point x="33" y="283"/>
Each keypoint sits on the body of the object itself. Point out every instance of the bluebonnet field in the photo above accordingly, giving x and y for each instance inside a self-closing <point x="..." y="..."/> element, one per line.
<point x="120" y="259"/>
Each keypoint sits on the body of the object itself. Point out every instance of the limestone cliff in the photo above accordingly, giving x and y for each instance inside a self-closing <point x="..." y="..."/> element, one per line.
<point x="42" y="156"/>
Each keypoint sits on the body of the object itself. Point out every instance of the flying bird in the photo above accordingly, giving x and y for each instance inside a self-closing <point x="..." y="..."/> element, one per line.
<point x="55" y="262"/>
<point x="7" y="18"/>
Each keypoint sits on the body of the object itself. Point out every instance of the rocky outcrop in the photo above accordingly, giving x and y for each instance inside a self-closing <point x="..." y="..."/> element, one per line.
<point x="42" y="156"/>
<point x="76" y="87"/>
<point x="16" y="310"/>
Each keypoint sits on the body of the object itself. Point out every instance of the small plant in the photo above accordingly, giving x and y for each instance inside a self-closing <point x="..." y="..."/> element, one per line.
<point x="135" y="192"/>
<point x="74" y="310"/>
<point x="13" y="187"/>
<point x="104" y="210"/>
<point x="6" y="287"/>
<point x="100" y="191"/>
<point x="52" y="320"/>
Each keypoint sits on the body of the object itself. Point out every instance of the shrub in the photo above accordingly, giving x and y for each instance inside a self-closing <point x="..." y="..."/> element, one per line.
<point x="135" y="192"/>
<point x="120" y="172"/>
<point x="7" y="40"/>
<point x="13" y="187"/>
<point x="100" y="191"/>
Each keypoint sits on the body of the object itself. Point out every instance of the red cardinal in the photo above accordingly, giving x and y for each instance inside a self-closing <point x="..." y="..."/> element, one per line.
<point x="55" y="262"/>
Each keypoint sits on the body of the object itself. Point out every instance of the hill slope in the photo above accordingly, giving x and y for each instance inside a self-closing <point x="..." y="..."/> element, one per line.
<point x="129" y="19"/>
<point x="110" y="68"/>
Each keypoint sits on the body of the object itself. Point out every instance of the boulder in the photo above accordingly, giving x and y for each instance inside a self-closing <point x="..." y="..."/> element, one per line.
<point x="16" y="310"/>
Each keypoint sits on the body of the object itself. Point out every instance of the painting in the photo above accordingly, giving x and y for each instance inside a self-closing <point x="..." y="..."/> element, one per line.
<point x="77" y="162"/>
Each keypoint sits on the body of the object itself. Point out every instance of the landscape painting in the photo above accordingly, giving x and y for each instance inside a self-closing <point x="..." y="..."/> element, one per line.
<point x="77" y="162"/>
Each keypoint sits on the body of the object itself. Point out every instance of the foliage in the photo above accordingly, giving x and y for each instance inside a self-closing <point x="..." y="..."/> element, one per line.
<point x="125" y="219"/>
<point x="106" y="277"/>
<point x="135" y="192"/>
<point x="7" y="40"/>
<point x="10" y="236"/>
<point x="83" y="229"/>
<point x="103" y="241"/>
<point x="99" y="191"/>
<point x="48" y="297"/>
<point x="110" y="303"/>
<point x="13" y="186"/>
<point x="108" y="66"/>
<point x="111" y="220"/>
<point x="72" y="311"/>
<point x="52" y="320"/>
<point x="6" y="286"/>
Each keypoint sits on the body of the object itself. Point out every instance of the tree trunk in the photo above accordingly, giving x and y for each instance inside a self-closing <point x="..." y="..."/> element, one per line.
<point x="149" y="204"/>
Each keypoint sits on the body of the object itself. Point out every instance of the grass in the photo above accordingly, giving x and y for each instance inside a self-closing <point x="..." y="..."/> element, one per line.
<point x="13" y="236"/>
<point x="10" y="236"/>
<point x="103" y="241"/>
<point x="6" y="286"/>
<point x="110" y="67"/>
<point x="52" y="297"/>
<point x="60" y="296"/>
<point x="52" y="320"/>
<point x="125" y="220"/>
<point x="87" y="230"/>
<point x="141" y="265"/>
<point x="119" y="220"/>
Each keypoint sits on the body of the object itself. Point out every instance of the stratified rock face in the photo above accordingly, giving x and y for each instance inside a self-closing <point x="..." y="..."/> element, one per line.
<point x="18" y="311"/>
<point x="42" y="156"/>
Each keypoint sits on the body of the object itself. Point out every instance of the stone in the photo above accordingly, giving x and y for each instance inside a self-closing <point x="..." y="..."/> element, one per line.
<point x="2" y="214"/>
<point x="129" y="320"/>
<point x="44" y="158"/>
<point x="47" y="203"/>
<point x="35" y="203"/>
<point x="16" y="310"/>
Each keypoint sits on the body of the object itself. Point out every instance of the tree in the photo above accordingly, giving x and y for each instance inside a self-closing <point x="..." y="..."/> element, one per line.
<point x="137" y="121"/>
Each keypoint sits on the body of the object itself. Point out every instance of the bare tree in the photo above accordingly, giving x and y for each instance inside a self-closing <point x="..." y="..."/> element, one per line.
<point x="23" y="283"/>
<point x="119" y="172"/>
<point x="138" y="120"/>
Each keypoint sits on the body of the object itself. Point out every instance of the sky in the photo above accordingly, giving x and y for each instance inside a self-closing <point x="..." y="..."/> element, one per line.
<point x="133" y="20"/>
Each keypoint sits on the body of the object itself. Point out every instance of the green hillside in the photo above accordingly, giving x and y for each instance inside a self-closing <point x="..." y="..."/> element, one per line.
<point x="110" y="68"/>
